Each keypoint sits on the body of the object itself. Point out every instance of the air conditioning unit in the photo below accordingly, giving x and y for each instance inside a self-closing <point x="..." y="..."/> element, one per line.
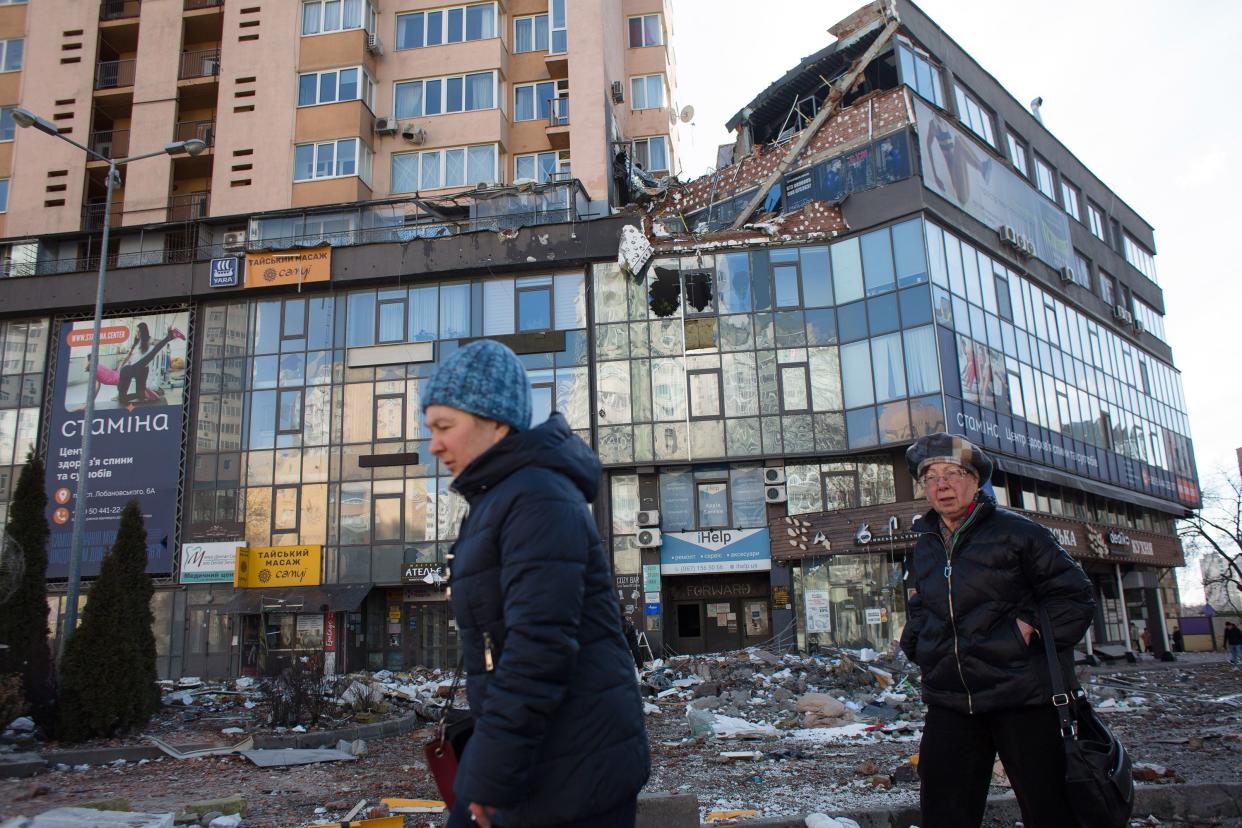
<point x="234" y="240"/>
<point x="1007" y="234"/>
<point x="413" y="134"/>
<point x="386" y="125"/>
<point x="774" y="494"/>
<point x="374" y="45"/>
<point x="772" y="477"/>
<point x="618" y="92"/>
<point x="1067" y="274"/>
<point x="648" y="517"/>
<point x="648" y="538"/>
<point x="1138" y="326"/>
<point x="1123" y="313"/>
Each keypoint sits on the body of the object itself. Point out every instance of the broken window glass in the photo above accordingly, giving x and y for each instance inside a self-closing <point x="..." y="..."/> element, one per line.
<point x="664" y="293"/>
<point x="699" y="291"/>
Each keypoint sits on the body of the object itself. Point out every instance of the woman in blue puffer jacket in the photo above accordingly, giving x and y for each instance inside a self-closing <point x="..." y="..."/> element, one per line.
<point x="559" y="738"/>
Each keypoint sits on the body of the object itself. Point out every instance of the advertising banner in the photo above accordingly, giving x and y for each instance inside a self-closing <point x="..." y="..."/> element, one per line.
<point x="957" y="169"/>
<point x="717" y="550"/>
<point x="277" y="566"/>
<point x="225" y="272"/>
<point x="139" y="388"/>
<point x="208" y="563"/>
<point x="292" y="267"/>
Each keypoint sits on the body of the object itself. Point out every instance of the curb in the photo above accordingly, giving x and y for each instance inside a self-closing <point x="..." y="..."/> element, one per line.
<point x="1162" y="801"/>
<point x="16" y="765"/>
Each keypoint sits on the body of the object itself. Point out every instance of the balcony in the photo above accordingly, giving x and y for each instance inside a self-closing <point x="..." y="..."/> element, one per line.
<point x="110" y="143"/>
<point x="114" y="74"/>
<point x="204" y="131"/>
<point x="119" y="9"/>
<point x="93" y="215"/>
<point x="191" y="5"/>
<point x="189" y="206"/>
<point x="557" y="64"/>
<point x="201" y="63"/>
<point x="558" y="123"/>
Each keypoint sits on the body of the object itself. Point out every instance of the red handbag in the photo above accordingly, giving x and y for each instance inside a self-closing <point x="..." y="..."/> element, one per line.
<point x="444" y="751"/>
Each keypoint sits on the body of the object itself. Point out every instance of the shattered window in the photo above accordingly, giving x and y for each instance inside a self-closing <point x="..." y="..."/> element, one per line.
<point x="664" y="294"/>
<point x="699" y="291"/>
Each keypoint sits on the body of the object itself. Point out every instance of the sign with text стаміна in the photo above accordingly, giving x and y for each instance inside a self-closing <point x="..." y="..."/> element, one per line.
<point x="139" y="390"/>
<point x="715" y="550"/>
<point x="288" y="267"/>
<point x="277" y="566"/>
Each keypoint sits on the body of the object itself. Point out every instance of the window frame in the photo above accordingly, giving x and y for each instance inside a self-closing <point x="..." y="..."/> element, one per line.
<point x="518" y="290"/>
<point x="443" y="166"/>
<point x="366" y="18"/>
<point x="297" y="511"/>
<point x="558" y="8"/>
<point x="647" y="139"/>
<point x="720" y="413"/>
<point x="442" y="82"/>
<point x="445" y="12"/>
<point x="1041" y="165"/>
<point x="935" y="71"/>
<point x="359" y="157"/>
<point x="1138" y="256"/>
<point x="1071" y="199"/>
<point x="365" y="84"/>
<point x="542" y="175"/>
<point x="534" y="33"/>
<point x="964" y="100"/>
<point x="642" y="18"/>
<point x="1095" y="221"/>
<point x="4" y="195"/>
<point x="646" y="82"/>
<point x="1018" y="155"/>
<point x="375" y="406"/>
<point x="725" y="481"/>
<point x="805" y="367"/>
<point x="8" y="127"/>
<point x="534" y="87"/>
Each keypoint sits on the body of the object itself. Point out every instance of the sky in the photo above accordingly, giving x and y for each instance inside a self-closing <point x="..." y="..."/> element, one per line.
<point x="1138" y="90"/>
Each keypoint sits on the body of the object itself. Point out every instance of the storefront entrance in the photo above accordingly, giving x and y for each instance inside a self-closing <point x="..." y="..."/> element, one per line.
<point x="716" y="613"/>
<point x="430" y="636"/>
<point x="850" y="601"/>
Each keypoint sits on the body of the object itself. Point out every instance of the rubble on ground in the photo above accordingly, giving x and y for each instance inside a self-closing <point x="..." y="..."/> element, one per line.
<point x="776" y="734"/>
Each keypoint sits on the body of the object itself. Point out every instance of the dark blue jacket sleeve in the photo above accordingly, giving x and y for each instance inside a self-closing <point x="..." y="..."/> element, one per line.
<point x="544" y="545"/>
<point x="1060" y="587"/>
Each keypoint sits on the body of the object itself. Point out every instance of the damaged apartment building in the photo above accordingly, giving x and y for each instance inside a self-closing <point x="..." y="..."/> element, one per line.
<point x="892" y="246"/>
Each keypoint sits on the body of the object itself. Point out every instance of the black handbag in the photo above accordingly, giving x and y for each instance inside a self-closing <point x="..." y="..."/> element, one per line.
<point x="445" y="749"/>
<point x="1098" y="780"/>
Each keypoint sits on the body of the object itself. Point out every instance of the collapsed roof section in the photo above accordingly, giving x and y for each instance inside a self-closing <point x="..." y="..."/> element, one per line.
<point x="836" y="124"/>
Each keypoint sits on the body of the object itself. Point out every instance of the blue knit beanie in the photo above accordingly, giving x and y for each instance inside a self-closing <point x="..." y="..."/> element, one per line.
<point x="484" y="378"/>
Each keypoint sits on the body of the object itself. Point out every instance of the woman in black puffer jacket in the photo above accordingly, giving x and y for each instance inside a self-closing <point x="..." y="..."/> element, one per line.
<point x="978" y="577"/>
<point x="559" y="738"/>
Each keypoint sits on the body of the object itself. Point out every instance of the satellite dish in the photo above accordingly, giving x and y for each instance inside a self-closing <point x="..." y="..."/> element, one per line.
<point x="687" y="112"/>
<point x="12" y="566"/>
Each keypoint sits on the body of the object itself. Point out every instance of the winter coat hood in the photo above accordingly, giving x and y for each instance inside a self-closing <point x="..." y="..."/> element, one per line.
<point x="550" y="445"/>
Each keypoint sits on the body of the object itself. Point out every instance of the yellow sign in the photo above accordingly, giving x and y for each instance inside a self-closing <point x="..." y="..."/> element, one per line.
<point x="288" y="267"/>
<point x="276" y="566"/>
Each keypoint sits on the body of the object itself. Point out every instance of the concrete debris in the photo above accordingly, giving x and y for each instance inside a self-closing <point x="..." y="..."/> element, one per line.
<point x="825" y="821"/>
<point x="90" y="818"/>
<point x="22" y="724"/>
<point x="198" y="753"/>
<point x="296" y="756"/>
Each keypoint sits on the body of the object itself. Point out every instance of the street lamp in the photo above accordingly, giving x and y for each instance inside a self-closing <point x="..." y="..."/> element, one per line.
<point x="26" y="118"/>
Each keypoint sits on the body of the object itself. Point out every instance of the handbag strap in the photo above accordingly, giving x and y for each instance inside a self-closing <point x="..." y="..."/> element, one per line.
<point x="1060" y="695"/>
<point x="448" y="703"/>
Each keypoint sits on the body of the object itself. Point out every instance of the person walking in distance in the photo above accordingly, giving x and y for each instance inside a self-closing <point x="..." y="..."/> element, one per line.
<point x="1233" y="642"/>
<point x="559" y="739"/>
<point x="977" y="580"/>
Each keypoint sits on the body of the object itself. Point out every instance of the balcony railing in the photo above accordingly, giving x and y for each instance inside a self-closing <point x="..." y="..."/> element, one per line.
<point x="558" y="115"/>
<point x="93" y="215"/>
<point x="119" y="9"/>
<point x="205" y="131"/>
<point x="188" y="206"/>
<point x="190" y="5"/>
<point x="113" y="74"/>
<point x="556" y="202"/>
<point x="201" y="63"/>
<point x="110" y="143"/>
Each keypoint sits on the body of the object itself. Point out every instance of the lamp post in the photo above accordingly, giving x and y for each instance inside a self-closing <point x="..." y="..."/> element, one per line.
<point x="26" y="118"/>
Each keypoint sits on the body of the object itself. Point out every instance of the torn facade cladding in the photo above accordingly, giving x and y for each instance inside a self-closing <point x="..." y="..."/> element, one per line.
<point x="865" y="120"/>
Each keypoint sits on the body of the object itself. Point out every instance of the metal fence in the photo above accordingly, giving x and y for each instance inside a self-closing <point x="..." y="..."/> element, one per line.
<point x="200" y="63"/>
<point x="190" y="5"/>
<point x="205" y="131"/>
<point x="119" y="9"/>
<point x="112" y="74"/>
<point x="189" y="206"/>
<point x="110" y="143"/>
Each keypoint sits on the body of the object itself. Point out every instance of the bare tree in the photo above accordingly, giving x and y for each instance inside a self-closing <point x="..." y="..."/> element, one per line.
<point x="1214" y="533"/>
